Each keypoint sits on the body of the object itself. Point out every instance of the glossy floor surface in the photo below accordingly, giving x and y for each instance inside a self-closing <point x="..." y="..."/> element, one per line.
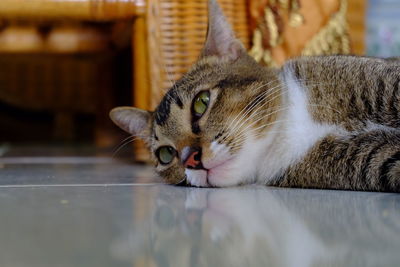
<point x="94" y="211"/>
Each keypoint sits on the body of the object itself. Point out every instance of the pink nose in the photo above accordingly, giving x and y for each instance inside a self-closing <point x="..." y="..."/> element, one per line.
<point x="191" y="161"/>
<point x="191" y="158"/>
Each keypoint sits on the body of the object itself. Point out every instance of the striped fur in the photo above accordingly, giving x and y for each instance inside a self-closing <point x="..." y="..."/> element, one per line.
<point x="364" y="92"/>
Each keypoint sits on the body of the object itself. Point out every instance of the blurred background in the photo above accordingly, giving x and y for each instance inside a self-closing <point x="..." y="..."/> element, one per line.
<point x="65" y="63"/>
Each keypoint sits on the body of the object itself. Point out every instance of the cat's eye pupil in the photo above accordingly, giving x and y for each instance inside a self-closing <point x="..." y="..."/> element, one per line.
<point x="200" y="103"/>
<point x="165" y="154"/>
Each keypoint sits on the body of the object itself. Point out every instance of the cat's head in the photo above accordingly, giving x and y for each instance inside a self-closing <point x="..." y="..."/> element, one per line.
<point x="205" y="130"/>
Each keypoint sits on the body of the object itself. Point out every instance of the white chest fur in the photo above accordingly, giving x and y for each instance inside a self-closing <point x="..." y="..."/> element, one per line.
<point x="261" y="160"/>
<point x="289" y="140"/>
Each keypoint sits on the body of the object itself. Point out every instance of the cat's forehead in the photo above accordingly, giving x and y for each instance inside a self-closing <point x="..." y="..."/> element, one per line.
<point x="170" y="119"/>
<point x="200" y="77"/>
<point x="163" y="111"/>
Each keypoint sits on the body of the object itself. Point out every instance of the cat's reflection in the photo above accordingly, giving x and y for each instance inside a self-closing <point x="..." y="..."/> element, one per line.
<point x="259" y="226"/>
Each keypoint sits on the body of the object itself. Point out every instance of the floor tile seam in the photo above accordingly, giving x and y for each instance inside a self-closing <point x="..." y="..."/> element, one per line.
<point x="79" y="185"/>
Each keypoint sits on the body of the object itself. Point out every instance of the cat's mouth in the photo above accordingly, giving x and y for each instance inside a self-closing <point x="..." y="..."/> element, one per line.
<point x="216" y="164"/>
<point x="210" y="172"/>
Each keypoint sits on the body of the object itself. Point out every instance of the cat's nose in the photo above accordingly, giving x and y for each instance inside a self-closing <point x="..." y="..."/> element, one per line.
<point x="191" y="157"/>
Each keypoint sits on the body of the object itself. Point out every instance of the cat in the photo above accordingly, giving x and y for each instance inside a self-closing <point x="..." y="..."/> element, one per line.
<point x="326" y="122"/>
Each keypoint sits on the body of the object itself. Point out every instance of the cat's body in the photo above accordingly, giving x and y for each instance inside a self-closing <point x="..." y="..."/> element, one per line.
<point x="350" y="109"/>
<point x="318" y="122"/>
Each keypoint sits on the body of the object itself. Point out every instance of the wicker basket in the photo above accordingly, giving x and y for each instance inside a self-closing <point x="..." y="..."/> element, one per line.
<point x="62" y="84"/>
<point x="176" y="34"/>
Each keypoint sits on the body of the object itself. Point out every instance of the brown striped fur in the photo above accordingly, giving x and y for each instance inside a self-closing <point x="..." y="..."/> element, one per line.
<point x="351" y="92"/>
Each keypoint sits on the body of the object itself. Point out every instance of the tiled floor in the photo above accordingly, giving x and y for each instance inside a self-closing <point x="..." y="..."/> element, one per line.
<point x="94" y="211"/>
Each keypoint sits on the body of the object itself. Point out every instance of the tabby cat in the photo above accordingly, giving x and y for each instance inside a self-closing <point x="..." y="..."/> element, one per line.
<point x="328" y="122"/>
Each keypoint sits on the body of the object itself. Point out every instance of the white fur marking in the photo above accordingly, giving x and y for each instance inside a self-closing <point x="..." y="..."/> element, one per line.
<point x="372" y="126"/>
<point x="196" y="177"/>
<point x="264" y="159"/>
<point x="297" y="133"/>
<point x="302" y="131"/>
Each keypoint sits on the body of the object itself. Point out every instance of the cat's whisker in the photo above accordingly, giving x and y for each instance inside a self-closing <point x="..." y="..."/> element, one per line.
<point x="239" y="140"/>
<point x="233" y="121"/>
<point x="253" y="103"/>
<point x="248" y="106"/>
<point x="269" y="132"/>
<point x="242" y="115"/>
<point x="256" y="110"/>
<point x="237" y="125"/>
<point x="122" y="145"/>
<point x="125" y="139"/>
<point x="253" y="115"/>
<point x="269" y="124"/>
<point x="244" y="131"/>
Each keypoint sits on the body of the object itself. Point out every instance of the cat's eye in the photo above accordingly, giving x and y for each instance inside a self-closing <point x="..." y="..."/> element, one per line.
<point x="165" y="154"/>
<point x="200" y="103"/>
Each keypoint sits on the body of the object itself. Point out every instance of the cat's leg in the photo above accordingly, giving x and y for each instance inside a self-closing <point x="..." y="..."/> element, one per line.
<point x="368" y="161"/>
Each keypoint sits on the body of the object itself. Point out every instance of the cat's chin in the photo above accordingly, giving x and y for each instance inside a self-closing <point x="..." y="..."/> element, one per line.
<point x="216" y="176"/>
<point x="197" y="178"/>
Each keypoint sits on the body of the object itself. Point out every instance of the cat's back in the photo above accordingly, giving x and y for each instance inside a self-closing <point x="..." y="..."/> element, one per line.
<point x="360" y="89"/>
<point x="343" y="67"/>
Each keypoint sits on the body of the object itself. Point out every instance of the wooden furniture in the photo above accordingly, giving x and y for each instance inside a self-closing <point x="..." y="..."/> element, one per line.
<point x="90" y="10"/>
<point x="59" y="56"/>
<point x="356" y="19"/>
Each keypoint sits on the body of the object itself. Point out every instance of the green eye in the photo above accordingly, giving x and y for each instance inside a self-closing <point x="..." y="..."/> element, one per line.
<point x="165" y="154"/>
<point x="200" y="103"/>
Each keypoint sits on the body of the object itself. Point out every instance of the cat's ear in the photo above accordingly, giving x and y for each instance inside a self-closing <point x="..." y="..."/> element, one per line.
<point x="132" y="120"/>
<point x="221" y="40"/>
